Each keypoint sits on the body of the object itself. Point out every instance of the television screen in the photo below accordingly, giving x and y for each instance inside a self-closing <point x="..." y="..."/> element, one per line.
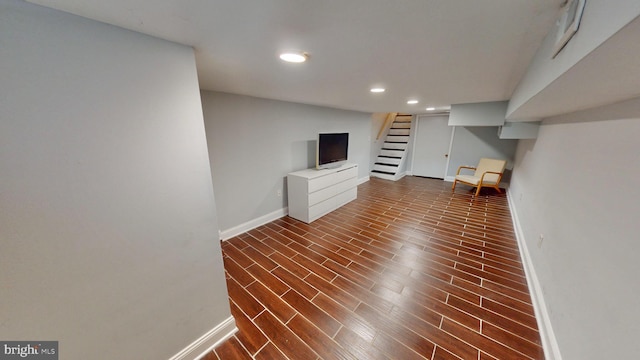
<point x="332" y="150"/>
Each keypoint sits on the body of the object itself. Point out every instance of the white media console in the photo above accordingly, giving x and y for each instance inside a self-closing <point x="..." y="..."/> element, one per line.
<point x="314" y="193"/>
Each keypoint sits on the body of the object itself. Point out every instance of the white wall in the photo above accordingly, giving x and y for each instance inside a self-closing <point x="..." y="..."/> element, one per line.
<point x="108" y="225"/>
<point x="577" y="184"/>
<point x="478" y="114"/>
<point x="254" y="143"/>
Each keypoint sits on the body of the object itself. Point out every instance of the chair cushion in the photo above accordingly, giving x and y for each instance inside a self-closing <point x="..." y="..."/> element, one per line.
<point x="470" y="179"/>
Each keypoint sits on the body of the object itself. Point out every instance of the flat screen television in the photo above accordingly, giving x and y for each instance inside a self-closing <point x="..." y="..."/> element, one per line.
<point x="331" y="150"/>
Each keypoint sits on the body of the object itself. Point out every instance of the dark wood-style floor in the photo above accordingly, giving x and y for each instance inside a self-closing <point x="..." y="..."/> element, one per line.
<point x="409" y="270"/>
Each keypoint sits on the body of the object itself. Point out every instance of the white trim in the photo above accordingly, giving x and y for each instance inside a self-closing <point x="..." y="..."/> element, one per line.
<point x="414" y="132"/>
<point x="566" y="30"/>
<point x="399" y="176"/>
<point x="252" y="224"/>
<point x="446" y="168"/>
<point x="449" y="178"/>
<point x="384" y="176"/>
<point x="549" y="341"/>
<point x="363" y="180"/>
<point x="414" y="142"/>
<point x="208" y="341"/>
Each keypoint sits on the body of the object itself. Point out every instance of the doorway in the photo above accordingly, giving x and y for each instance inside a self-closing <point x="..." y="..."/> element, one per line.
<point x="431" y="146"/>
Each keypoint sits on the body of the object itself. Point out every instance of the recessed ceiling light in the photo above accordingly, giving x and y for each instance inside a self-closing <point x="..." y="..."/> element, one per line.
<point x="294" y="57"/>
<point x="430" y="108"/>
<point x="377" y="90"/>
<point x="411" y="102"/>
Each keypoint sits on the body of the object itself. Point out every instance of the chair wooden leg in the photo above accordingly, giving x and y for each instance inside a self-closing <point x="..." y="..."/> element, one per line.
<point x="453" y="187"/>
<point x="478" y="191"/>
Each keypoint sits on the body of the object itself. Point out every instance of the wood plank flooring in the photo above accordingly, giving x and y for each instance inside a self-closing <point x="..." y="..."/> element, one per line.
<point x="409" y="270"/>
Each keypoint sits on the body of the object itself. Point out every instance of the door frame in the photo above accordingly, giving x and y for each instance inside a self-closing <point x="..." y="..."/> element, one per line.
<point x="413" y="145"/>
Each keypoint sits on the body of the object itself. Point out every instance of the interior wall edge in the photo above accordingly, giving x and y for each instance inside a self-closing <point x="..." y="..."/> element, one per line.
<point x="547" y="335"/>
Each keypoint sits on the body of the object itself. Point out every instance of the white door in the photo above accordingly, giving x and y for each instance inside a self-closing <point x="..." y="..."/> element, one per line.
<point x="431" y="146"/>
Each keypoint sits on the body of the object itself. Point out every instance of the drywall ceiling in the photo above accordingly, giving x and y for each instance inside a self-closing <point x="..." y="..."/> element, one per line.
<point x="439" y="52"/>
<point x="608" y="74"/>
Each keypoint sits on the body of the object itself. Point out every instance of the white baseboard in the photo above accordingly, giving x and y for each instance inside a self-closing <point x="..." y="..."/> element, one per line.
<point x="363" y="180"/>
<point x="400" y="176"/>
<point x="549" y="342"/>
<point x="252" y="224"/>
<point x="208" y="341"/>
<point x="449" y="178"/>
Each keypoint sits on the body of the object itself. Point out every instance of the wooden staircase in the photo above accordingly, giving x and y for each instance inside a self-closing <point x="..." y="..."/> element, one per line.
<point x="393" y="152"/>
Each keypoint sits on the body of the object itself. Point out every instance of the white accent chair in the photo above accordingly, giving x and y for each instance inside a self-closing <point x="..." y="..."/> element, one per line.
<point x="488" y="173"/>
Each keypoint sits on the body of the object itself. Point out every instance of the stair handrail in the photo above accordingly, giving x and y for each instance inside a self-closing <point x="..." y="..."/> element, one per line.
<point x="387" y="123"/>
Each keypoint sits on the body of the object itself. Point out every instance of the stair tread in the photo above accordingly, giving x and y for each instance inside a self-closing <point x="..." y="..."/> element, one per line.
<point x="394" y="147"/>
<point x="386" y="164"/>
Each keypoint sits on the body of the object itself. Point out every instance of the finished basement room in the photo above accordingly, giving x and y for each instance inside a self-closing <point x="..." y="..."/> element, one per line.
<point x="304" y="179"/>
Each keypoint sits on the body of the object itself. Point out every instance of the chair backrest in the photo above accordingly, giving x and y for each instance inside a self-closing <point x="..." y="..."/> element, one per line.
<point x="487" y="164"/>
